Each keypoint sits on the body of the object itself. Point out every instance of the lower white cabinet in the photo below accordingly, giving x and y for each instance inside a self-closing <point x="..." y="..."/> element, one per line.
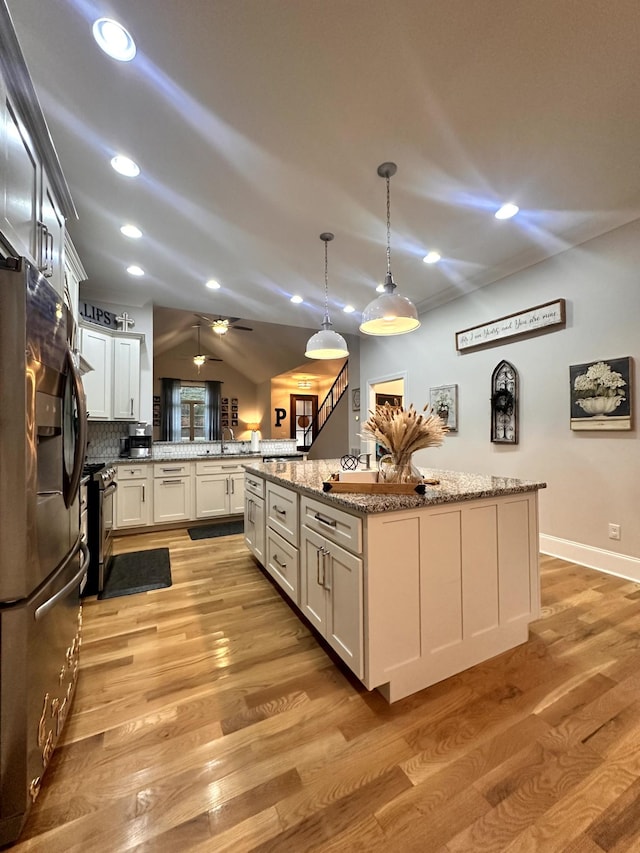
<point x="254" y="516"/>
<point x="171" y="492"/>
<point x="282" y="563"/>
<point x="331" y="595"/>
<point x="219" y="489"/>
<point x="134" y="495"/>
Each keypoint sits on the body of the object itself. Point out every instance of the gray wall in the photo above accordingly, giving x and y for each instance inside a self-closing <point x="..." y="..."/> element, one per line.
<point x="593" y="477"/>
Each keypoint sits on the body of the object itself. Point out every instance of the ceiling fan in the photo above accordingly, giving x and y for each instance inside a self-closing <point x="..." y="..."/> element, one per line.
<point x="199" y="359"/>
<point x="221" y="325"/>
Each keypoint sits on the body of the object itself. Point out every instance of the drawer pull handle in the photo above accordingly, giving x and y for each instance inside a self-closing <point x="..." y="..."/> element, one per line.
<point x="330" y="522"/>
<point x="170" y="470"/>
<point x="171" y="482"/>
<point x="252" y="483"/>
<point x="279" y="511"/>
<point x="278" y="563"/>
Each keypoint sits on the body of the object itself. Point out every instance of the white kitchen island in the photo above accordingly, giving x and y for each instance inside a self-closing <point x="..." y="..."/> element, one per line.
<point x="407" y="589"/>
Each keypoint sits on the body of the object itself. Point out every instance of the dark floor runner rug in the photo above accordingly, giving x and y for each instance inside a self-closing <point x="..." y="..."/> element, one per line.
<point x="138" y="571"/>
<point x="223" y="528"/>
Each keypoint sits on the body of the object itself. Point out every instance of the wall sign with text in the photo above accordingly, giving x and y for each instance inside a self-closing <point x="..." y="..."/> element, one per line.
<point x="541" y="318"/>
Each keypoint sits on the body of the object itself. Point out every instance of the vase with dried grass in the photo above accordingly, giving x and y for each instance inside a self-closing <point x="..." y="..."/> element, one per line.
<point x="403" y="431"/>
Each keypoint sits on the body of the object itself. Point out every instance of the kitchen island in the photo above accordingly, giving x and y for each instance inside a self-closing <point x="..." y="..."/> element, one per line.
<point x="407" y="589"/>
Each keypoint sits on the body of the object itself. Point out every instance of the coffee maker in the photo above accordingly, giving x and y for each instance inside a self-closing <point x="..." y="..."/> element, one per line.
<point x="138" y="443"/>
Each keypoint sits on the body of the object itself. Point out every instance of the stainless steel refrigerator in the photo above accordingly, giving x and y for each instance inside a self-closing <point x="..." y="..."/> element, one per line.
<point x="43" y="559"/>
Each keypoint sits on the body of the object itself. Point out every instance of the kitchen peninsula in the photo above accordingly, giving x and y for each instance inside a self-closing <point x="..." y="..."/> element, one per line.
<point x="407" y="589"/>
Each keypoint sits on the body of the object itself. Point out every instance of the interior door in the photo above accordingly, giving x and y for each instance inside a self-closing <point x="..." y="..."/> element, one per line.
<point x="303" y="427"/>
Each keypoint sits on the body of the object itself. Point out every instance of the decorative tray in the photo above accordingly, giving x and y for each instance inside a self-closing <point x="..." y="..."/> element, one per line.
<point x="333" y="484"/>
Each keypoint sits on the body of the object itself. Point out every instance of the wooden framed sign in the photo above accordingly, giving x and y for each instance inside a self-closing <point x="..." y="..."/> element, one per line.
<point x="540" y="318"/>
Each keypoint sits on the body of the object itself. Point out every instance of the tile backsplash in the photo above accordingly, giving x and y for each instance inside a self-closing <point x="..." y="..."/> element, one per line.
<point x="104" y="444"/>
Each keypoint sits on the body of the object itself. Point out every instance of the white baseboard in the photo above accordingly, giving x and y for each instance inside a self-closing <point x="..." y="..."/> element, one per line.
<point x="595" y="558"/>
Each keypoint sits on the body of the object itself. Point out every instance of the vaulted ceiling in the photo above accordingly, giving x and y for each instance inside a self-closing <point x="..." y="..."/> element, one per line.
<point x="258" y="124"/>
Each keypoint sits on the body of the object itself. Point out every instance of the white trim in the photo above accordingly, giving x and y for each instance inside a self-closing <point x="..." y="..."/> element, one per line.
<point x="594" y="558"/>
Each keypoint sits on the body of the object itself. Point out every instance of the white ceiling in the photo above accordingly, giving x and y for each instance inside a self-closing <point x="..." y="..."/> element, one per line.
<point x="258" y="124"/>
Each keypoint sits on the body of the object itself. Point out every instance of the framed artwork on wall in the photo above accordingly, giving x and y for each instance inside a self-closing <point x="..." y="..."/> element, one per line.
<point x="601" y="394"/>
<point x="355" y="399"/>
<point x="443" y="399"/>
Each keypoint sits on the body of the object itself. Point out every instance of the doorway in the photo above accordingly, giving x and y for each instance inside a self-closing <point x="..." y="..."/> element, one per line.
<point x="385" y="390"/>
<point x="303" y="426"/>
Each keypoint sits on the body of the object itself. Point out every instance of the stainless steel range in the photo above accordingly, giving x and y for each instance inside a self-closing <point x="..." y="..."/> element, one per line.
<point x="100" y="491"/>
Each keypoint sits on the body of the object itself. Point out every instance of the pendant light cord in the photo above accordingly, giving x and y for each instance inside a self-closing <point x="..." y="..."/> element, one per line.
<point x="326" y="279"/>
<point x="388" y="228"/>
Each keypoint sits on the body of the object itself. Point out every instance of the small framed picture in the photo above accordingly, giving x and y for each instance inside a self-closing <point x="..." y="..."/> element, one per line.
<point x="355" y="399"/>
<point x="443" y="399"/>
<point x="601" y="394"/>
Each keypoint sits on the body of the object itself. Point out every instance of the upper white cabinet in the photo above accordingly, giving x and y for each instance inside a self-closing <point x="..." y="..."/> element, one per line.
<point x="34" y="197"/>
<point x="74" y="273"/>
<point x="113" y="386"/>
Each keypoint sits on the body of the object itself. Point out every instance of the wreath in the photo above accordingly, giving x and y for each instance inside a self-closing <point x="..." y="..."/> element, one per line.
<point x="503" y="401"/>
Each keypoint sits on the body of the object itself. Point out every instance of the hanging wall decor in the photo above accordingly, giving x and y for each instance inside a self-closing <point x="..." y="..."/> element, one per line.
<point x="601" y="394"/>
<point x="504" y="404"/>
<point x="443" y="399"/>
<point x="542" y="318"/>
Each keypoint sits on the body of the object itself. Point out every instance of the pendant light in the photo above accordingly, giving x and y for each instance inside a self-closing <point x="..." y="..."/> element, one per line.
<point x="326" y="343"/>
<point x="390" y="313"/>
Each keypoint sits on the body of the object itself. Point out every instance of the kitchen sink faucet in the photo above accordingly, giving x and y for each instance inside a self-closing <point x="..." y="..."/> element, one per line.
<point x="231" y="437"/>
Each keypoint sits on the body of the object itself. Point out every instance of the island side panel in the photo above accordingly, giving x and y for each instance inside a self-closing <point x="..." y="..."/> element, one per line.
<point x="477" y="571"/>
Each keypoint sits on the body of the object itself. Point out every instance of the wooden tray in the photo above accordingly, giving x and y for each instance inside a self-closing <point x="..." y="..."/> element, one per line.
<point x="334" y="485"/>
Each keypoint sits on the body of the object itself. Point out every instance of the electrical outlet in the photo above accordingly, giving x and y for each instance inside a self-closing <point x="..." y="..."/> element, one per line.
<point x="614" y="531"/>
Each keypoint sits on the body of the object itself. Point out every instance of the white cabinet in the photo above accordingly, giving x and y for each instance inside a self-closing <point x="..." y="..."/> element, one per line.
<point x="171" y="492"/>
<point x="331" y="593"/>
<point x="254" y="516"/>
<point x="134" y="495"/>
<point x="74" y="273"/>
<point x="113" y="386"/>
<point x="219" y="489"/>
<point x="126" y="378"/>
<point x="32" y="220"/>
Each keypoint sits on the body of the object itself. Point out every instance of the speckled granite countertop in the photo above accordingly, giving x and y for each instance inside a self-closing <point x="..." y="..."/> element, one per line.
<point x="308" y="477"/>
<point x="203" y="457"/>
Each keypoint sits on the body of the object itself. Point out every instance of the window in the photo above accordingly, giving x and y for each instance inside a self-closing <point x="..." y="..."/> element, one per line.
<point x="192" y="412"/>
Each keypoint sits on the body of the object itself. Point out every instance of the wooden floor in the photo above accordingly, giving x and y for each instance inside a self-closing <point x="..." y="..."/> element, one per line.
<point x="208" y="718"/>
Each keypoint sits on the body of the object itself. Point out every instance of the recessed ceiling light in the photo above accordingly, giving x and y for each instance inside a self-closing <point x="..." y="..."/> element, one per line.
<point x="297" y="299"/>
<point x="114" y="39"/>
<point x="131" y="231"/>
<point x="431" y="257"/>
<point x="125" y="166"/>
<point x="380" y="288"/>
<point x="135" y="270"/>
<point x="348" y="309"/>
<point x="507" y="211"/>
<point x="212" y="284"/>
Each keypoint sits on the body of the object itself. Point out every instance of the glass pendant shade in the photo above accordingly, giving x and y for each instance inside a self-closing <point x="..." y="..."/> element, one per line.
<point x="326" y="343"/>
<point x="390" y="313"/>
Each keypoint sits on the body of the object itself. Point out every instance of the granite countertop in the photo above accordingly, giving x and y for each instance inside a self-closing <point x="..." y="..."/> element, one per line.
<point x="308" y="477"/>
<point x="129" y="460"/>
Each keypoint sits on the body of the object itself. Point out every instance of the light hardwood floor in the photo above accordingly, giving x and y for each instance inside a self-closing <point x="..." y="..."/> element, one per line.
<point x="208" y="718"/>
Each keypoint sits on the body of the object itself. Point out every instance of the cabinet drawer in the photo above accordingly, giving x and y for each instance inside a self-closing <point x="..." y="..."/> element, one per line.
<point x="254" y="485"/>
<point x="171" y="469"/>
<point x="282" y="564"/>
<point x="218" y="467"/>
<point x="334" y="524"/>
<point x="282" y="512"/>
<point x="132" y="472"/>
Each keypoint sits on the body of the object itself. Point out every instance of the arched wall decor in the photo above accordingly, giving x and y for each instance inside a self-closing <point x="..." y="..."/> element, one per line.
<point x="504" y="404"/>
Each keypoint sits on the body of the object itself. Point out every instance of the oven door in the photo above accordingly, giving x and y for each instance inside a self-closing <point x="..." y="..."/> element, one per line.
<point x="106" y="533"/>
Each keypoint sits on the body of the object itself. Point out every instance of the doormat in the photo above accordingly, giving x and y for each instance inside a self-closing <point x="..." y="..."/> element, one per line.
<point x="138" y="571"/>
<point x="222" y="528"/>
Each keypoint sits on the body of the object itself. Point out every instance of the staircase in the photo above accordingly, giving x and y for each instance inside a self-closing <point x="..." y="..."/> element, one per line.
<point x="330" y="401"/>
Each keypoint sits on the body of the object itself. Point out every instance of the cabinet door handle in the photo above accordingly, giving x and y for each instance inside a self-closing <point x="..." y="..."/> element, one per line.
<point x="330" y="522"/>
<point x="226" y="487"/>
<point x="44" y="247"/>
<point x="143" y="494"/>
<point x="50" y="248"/>
<point x="233" y="487"/>
<point x="279" y="511"/>
<point x="132" y="407"/>
<point x="326" y="573"/>
<point x="320" y="582"/>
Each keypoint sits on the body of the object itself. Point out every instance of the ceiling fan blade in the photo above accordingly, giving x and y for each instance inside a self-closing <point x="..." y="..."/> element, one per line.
<point x="211" y="358"/>
<point x="242" y="328"/>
